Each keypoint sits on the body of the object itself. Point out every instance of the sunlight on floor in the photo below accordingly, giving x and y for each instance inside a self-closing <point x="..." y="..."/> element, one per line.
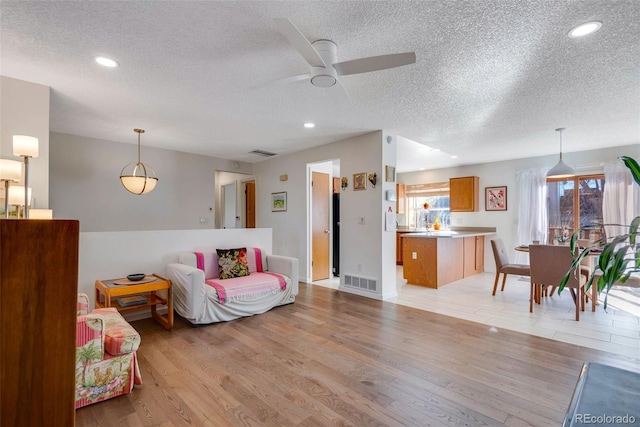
<point x="617" y="330"/>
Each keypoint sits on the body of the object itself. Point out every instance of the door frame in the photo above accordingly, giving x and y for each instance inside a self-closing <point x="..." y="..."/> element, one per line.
<point x="223" y="178"/>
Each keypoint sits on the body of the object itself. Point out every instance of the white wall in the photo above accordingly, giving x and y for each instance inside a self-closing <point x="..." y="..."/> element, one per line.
<point x="112" y="255"/>
<point x="24" y="110"/>
<point x="388" y="246"/>
<point x="504" y="173"/>
<point x="85" y="185"/>
<point x="361" y="246"/>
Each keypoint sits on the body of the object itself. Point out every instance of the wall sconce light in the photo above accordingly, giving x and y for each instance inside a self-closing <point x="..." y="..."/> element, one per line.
<point x="10" y="171"/>
<point x="142" y="178"/>
<point x="344" y="183"/>
<point x="26" y="147"/>
<point x="373" y="178"/>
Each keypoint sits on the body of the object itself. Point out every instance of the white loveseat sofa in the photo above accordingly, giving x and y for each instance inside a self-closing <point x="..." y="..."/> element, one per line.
<point x="200" y="297"/>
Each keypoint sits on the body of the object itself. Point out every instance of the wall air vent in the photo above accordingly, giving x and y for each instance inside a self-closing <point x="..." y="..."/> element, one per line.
<point x="262" y="153"/>
<point x="364" y="283"/>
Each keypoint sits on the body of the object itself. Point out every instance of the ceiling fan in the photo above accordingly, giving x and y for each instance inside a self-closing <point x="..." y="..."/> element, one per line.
<point x="322" y="56"/>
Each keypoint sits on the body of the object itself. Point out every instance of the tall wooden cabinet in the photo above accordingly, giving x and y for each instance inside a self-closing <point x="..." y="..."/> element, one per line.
<point x="463" y="194"/>
<point x="400" y="195"/>
<point x="38" y="294"/>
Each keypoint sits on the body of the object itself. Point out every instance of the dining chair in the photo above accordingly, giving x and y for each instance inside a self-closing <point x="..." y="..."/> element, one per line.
<point x="548" y="265"/>
<point x="504" y="266"/>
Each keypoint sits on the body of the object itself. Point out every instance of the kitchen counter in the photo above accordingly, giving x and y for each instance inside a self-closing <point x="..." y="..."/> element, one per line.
<point x="436" y="258"/>
<point x="453" y="233"/>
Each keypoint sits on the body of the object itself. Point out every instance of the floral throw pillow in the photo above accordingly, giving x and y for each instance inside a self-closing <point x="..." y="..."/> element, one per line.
<point x="232" y="263"/>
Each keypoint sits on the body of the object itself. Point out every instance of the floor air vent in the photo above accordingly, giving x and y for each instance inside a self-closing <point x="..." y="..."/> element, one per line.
<point x="365" y="283"/>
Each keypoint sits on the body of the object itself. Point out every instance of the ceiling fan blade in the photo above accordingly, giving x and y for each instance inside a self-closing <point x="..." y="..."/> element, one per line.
<point x="299" y="41"/>
<point x="374" y="63"/>
<point x="341" y="93"/>
<point x="289" y="79"/>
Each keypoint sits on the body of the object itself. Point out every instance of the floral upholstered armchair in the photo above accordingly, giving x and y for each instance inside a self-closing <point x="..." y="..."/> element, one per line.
<point x="106" y="364"/>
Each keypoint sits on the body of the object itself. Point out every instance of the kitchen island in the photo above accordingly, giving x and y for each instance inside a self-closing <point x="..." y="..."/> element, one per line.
<point x="436" y="258"/>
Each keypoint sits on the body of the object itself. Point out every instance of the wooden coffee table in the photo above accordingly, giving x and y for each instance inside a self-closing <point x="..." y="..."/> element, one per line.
<point x="108" y="292"/>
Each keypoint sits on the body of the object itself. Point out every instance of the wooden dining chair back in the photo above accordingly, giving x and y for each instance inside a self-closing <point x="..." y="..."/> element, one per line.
<point x="503" y="266"/>
<point x="548" y="265"/>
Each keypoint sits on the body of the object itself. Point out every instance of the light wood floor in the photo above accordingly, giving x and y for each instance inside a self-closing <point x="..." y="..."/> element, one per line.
<point x="334" y="359"/>
<point x="616" y="330"/>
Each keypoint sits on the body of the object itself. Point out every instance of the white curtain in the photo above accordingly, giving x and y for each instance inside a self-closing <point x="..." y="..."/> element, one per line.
<point x="621" y="198"/>
<point x="533" y="218"/>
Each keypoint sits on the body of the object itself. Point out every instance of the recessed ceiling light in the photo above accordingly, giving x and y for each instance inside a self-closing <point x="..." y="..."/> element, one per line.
<point x="454" y="157"/>
<point x="309" y="125"/>
<point x="584" y="29"/>
<point x="107" y="62"/>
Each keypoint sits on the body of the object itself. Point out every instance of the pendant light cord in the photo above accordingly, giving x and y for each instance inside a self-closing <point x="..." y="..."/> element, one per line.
<point x="557" y="130"/>
<point x="139" y="131"/>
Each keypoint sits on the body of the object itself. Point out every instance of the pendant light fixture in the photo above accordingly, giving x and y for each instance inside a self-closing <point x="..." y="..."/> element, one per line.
<point x="561" y="170"/>
<point x="142" y="178"/>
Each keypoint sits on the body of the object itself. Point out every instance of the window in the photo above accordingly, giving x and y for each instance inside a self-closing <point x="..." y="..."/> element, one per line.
<point x="437" y="197"/>
<point x="572" y="201"/>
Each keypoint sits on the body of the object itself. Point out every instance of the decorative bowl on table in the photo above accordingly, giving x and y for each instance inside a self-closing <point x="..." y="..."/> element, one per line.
<point x="136" y="277"/>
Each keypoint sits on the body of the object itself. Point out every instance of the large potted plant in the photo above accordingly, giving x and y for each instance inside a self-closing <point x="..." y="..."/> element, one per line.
<point x="619" y="256"/>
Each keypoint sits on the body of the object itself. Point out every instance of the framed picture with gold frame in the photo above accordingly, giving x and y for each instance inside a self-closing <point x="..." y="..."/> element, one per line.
<point x="360" y="181"/>
<point x="390" y="173"/>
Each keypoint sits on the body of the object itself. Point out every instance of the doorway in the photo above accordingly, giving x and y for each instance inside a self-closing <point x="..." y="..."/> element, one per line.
<point x="235" y="200"/>
<point x="322" y="232"/>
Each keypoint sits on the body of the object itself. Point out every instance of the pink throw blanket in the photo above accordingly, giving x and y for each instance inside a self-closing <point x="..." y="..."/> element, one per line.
<point x="248" y="287"/>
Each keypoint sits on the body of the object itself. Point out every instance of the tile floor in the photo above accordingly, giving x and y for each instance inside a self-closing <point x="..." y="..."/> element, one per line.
<point x="617" y="330"/>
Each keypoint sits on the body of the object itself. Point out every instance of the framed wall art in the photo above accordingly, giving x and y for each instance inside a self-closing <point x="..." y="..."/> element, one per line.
<point x="360" y="181"/>
<point x="495" y="198"/>
<point x="390" y="173"/>
<point x="279" y="201"/>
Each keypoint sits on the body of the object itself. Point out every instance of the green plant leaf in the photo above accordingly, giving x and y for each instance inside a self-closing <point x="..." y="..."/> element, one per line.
<point x="608" y="250"/>
<point x="574" y="268"/>
<point x="633" y="167"/>
<point x="633" y="230"/>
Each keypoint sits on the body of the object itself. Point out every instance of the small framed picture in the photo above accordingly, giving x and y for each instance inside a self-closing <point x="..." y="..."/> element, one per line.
<point x="279" y="201"/>
<point x="360" y="181"/>
<point x="390" y="173"/>
<point x="495" y="198"/>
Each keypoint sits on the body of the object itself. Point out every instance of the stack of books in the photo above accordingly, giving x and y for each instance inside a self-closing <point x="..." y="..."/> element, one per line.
<point x="132" y="300"/>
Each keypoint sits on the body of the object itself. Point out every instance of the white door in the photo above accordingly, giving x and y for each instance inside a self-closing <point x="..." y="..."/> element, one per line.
<point x="229" y="205"/>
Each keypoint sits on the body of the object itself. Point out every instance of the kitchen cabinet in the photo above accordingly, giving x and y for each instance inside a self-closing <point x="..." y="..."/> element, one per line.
<point x="400" y="198"/>
<point x="433" y="260"/>
<point x="463" y="194"/>
<point x="473" y="260"/>
<point x="399" y="246"/>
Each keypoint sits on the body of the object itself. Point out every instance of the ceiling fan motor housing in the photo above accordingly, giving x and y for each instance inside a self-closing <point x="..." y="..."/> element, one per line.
<point x="325" y="76"/>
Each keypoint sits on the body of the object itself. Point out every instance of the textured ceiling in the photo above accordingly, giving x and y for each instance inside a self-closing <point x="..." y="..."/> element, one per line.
<point x="492" y="80"/>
